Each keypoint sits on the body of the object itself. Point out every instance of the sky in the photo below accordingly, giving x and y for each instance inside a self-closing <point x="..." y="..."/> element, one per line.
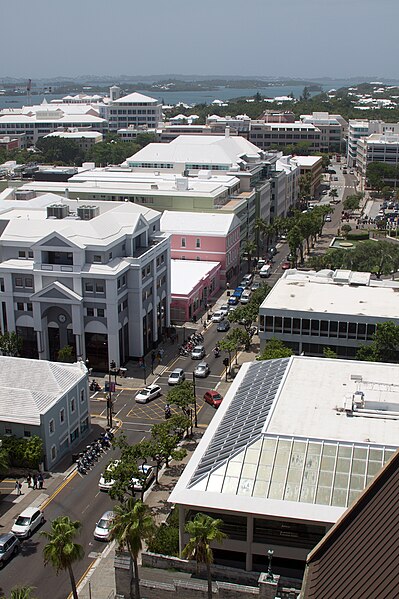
<point x="287" y="38"/>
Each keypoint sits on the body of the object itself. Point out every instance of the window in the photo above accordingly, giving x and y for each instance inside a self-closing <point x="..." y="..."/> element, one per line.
<point x="30" y="254"/>
<point x="73" y="405"/>
<point x="29" y="282"/>
<point x="82" y="395"/>
<point x="198" y="243"/>
<point x="110" y="256"/>
<point x="51" y="426"/>
<point x="53" y="453"/>
<point x="20" y="306"/>
<point x="183" y="242"/>
<point x="8" y="431"/>
<point x="96" y="258"/>
<point x="89" y="311"/>
<point x="62" y="415"/>
<point x="74" y="435"/>
<point x="99" y="287"/>
<point x="21" y="254"/>
<point x="100" y="312"/>
<point x="29" y="307"/>
<point x="27" y="434"/>
<point x="198" y="258"/>
<point x="18" y="282"/>
<point x="89" y="287"/>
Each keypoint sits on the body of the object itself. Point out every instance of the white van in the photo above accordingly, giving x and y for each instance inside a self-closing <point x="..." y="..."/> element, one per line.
<point x="265" y="271"/>
<point x="245" y="296"/>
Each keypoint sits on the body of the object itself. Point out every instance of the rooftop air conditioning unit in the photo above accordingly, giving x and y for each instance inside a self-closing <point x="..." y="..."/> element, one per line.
<point x="87" y="212"/>
<point x="57" y="211"/>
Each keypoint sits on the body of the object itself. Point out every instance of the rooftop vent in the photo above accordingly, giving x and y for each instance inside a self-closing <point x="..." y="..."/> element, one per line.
<point x="57" y="211"/>
<point x="87" y="212"/>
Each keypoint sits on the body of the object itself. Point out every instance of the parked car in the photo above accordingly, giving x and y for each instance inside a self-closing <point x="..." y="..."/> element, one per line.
<point x="26" y="523"/>
<point x="273" y="250"/>
<point x="148" y="393"/>
<point x="102" y="531"/>
<point x="106" y="481"/>
<point x="223" y="326"/>
<point x="285" y="265"/>
<point x="213" y="398"/>
<point x="224" y="309"/>
<point x="233" y="301"/>
<point x="246" y="296"/>
<point x="328" y="218"/>
<point x="265" y="271"/>
<point x="217" y="316"/>
<point x="248" y="277"/>
<point x="9" y="546"/>
<point x="255" y="286"/>
<point x="176" y="376"/>
<point x="198" y="352"/>
<point x="142" y="483"/>
<point x="261" y="262"/>
<point x="202" y="370"/>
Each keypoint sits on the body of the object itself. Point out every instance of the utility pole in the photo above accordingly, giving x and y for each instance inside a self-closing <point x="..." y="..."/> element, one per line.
<point x="195" y="403"/>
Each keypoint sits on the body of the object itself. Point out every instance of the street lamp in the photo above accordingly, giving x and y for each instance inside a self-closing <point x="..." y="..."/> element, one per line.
<point x="269" y="575"/>
<point x="195" y="403"/>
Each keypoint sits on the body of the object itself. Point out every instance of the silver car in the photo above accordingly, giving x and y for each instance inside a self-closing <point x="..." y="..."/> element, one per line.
<point x="102" y="531"/>
<point x="199" y="351"/>
<point x="176" y="376"/>
<point x="202" y="370"/>
<point x="9" y="546"/>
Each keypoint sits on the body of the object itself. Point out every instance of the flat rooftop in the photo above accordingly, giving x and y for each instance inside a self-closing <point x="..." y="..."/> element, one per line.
<point x="339" y="292"/>
<point x="291" y="441"/>
<point x="186" y="274"/>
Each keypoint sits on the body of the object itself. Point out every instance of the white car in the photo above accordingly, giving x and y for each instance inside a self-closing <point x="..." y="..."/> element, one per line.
<point x="176" y="376"/>
<point x="328" y="218"/>
<point x="202" y="370"/>
<point x="217" y="316"/>
<point x="27" y="522"/>
<point x="224" y="309"/>
<point x="148" y="393"/>
<point x="138" y="484"/>
<point x="198" y="352"/>
<point x="106" y="482"/>
<point x="102" y="531"/>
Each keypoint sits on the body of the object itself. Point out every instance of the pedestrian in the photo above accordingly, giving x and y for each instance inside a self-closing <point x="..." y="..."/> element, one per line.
<point x="40" y="480"/>
<point x="161" y="353"/>
<point x="34" y="482"/>
<point x="28" y="479"/>
<point x="18" y="487"/>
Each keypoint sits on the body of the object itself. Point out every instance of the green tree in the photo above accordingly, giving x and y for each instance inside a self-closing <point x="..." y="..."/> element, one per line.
<point x="58" y="150"/>
<point x="250" y="251"/>
<point x="329" y="353"/>
<point x="346" y="229"/>
<point x="305" y="186"/>
<point x="66" y="354"/>
<point x="203" y="531"/>
<point x="132" y="524"/>
<point x="24" y="592"/>
<point x="10" y="344"/>
<point x="333" y="193"/>
<point x="61" y="551"/>
<point x="385" y="344"/>
<point x="274" y="348"/>
<point x="295" y="239"/>
<point x="167" y="435"/>
<point x="352" y="202"/>
<point x="33" y="451"/>
<point x="4" y="459"/>
<point x="305" y="94"/>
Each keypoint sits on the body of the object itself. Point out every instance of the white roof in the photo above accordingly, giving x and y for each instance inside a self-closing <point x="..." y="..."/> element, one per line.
<point x="197" y="149"/>
<point x="307" y="160"/>
<point x="76" y="134"/>
<point x="199" y="223"/>
<point x="29" y="388"/>
<point x="66" y="118"/>
<point x="29" y="223"/>
<point x="186" y="274"/>
<point x="282" y="443"/>
<point x="135" y="97"/>
<point x="317" y="293"/>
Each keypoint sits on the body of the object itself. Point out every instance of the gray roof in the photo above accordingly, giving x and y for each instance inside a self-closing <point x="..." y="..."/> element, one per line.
<point x="29" y="388"/>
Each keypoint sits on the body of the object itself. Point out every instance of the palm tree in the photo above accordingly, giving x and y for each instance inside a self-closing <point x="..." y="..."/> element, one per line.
<point x="260" y="226"/>
<point x="249" y="249"/>
<point x="61" y="551"/>
<point x="132" y="523"/>
<point x="21" y="593"/>
<point x="203" y="530"/>
<point x="333" y="193"/>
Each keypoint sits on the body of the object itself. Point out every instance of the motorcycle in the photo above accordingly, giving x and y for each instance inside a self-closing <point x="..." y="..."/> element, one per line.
<point x="168" y="413"/>
<point x="94" y="386"/>
<point x="216" y="352"/>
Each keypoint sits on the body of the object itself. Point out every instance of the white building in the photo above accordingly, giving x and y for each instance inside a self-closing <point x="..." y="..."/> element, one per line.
<point x="94" y="276"/>
<point x="339" y="309"/>
<point x="332" y="127"/>
<point x="293" y="444"/>
<point x="132" y="110"/>
<point x="47" y="399"/>
<point x="359" y="129"/>
<point x="378" y="148"/>
<point x="268" y="135"/>
<point x="84" y="139"/>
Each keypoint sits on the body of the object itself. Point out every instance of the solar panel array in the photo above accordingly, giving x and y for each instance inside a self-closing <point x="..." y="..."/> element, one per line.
<point x="245" y="416"/>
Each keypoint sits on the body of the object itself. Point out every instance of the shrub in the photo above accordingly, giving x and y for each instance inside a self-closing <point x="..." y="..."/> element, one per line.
<point x="166" y="538"/>
<point x="358" y="235"/>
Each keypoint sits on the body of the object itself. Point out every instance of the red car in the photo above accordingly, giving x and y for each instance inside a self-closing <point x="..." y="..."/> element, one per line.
<point x="285" y="265"/>
<point x="213" y="398"/>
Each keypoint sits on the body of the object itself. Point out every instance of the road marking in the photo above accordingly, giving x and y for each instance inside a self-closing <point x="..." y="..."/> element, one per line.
<point x="62" y="486"/>
<point x="119" y="411"/>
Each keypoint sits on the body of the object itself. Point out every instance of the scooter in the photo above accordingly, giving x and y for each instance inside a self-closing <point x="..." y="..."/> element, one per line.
<point x="216" y="352"/>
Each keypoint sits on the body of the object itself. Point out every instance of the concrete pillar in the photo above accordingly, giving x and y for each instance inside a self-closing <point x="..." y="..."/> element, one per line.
<point x="268" y="588"/>
<point x="250" y="534"/>
<point x="182" y="522"/>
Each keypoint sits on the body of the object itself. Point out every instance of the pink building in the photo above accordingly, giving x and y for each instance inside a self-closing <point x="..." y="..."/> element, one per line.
<point x="205" y="236"/>
<point x="193" y="284"/>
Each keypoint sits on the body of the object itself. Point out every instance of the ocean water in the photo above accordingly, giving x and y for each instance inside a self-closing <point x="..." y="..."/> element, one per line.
<point x="192" y="97"/>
